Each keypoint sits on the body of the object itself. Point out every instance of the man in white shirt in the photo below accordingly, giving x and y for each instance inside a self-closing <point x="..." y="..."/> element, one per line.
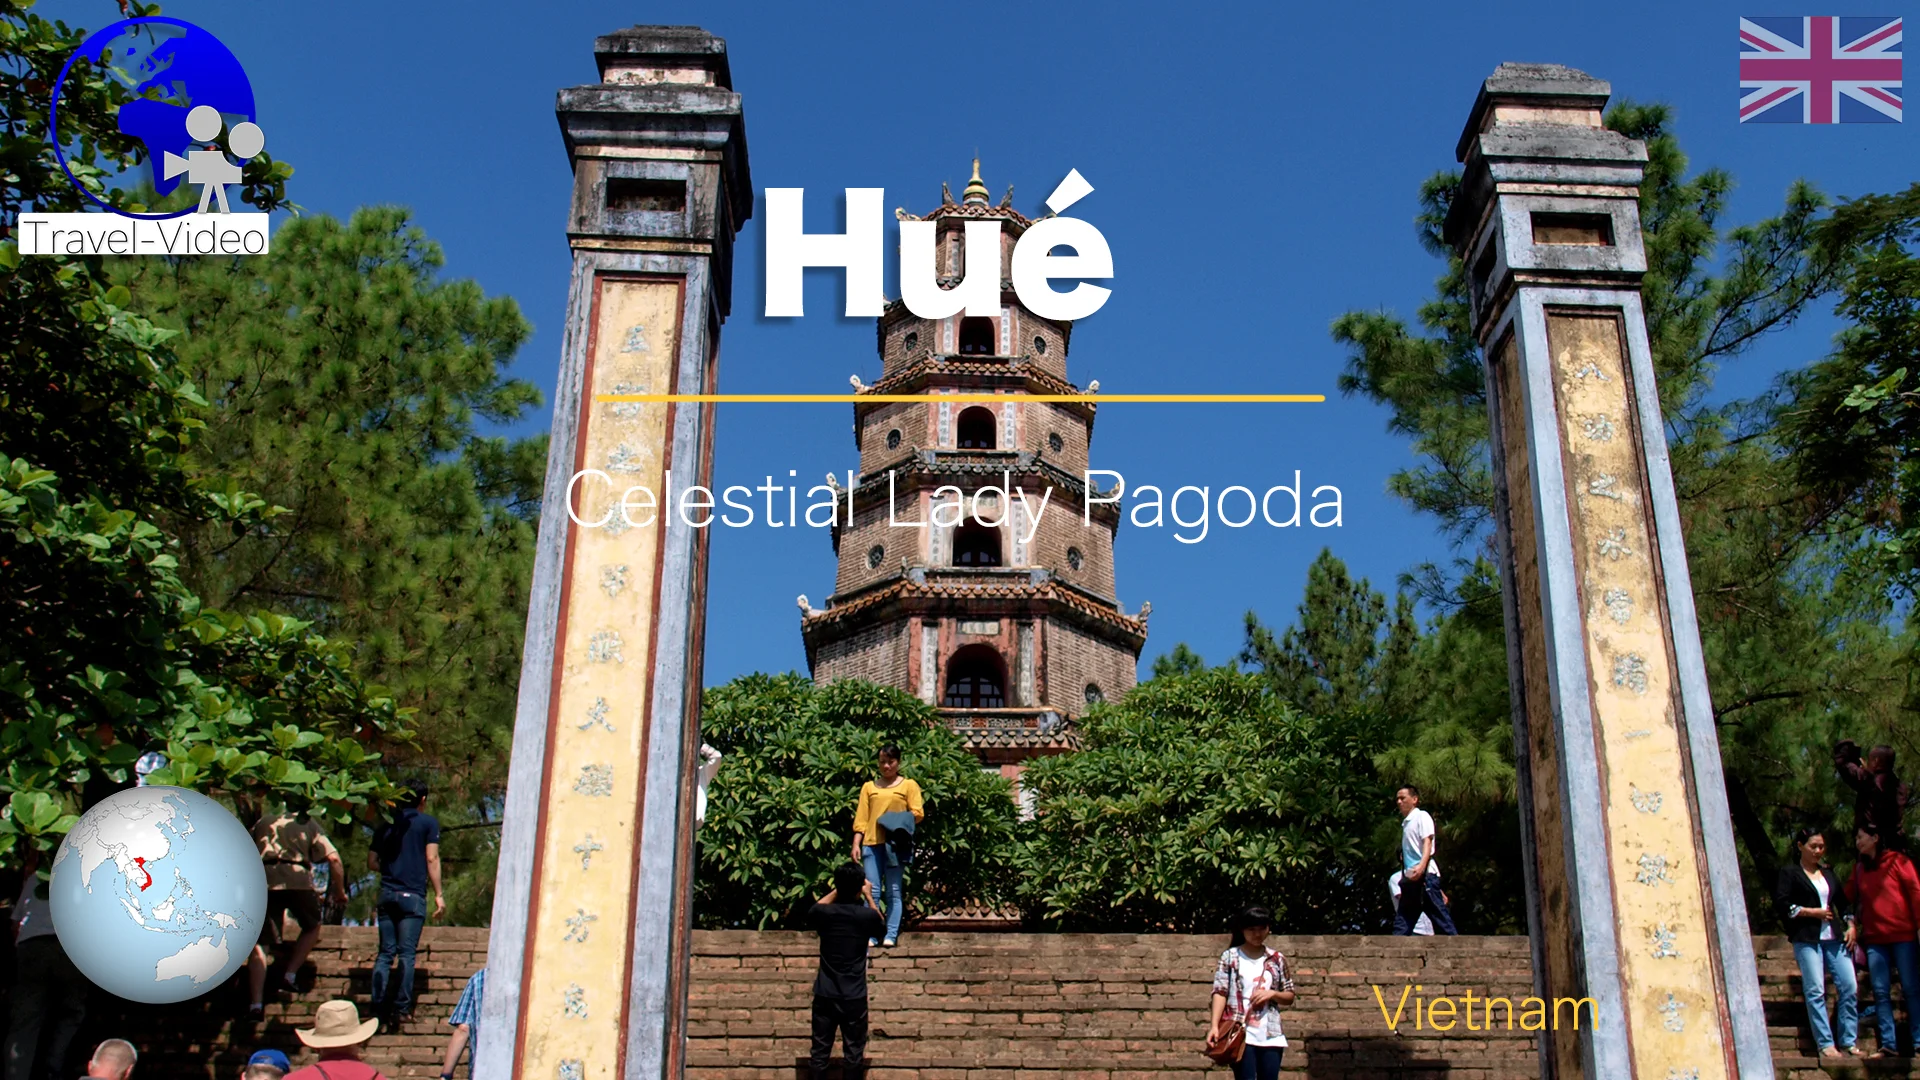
<point x="1420" y="892"/>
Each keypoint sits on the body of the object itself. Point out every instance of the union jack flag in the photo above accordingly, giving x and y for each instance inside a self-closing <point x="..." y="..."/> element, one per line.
<point x="1820" y="70"/>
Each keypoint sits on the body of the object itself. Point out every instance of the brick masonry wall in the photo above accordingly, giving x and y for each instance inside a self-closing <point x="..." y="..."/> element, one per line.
<point x="1064" y="525"/>
<point x="955" y="1006"/>
<point x="1072" y="658"/>
<point x="870" y="528"/>
<point x="877" y="653"/>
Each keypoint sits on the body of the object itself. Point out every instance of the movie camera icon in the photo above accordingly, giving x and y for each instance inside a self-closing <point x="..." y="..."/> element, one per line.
<point x="209" y="167"/>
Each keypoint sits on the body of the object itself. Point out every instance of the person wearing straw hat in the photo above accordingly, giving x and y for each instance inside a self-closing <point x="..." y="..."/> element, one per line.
<point x="338" y="1033"/>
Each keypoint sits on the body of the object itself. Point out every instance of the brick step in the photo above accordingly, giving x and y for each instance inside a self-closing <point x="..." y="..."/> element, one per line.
<point x="957" y="1006"/>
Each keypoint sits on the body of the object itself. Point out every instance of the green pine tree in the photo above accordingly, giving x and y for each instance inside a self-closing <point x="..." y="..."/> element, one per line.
<point x="1798" y="650"/>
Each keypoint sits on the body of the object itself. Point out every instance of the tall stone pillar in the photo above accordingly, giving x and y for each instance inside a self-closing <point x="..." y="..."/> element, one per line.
<point x="588" y="956"/>
<point x="1633" y="883"/>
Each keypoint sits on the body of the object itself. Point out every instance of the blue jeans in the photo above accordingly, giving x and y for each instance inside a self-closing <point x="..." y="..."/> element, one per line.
<point x="402" y="915"/>
<point x="1259" y="1063"/>
<point x="885" y="880"/>
<point x="1817" y="961"/>
<point x="1422" y="897"/>
<point x="1881" y="962"/>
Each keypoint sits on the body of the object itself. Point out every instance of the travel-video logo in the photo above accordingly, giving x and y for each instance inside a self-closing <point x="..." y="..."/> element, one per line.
<point x="193" y="110"/>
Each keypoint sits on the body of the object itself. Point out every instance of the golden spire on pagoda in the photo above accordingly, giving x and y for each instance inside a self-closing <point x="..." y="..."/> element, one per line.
<point x="976" y="191"/>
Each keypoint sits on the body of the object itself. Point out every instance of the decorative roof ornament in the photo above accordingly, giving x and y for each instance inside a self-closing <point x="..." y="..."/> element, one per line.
<point x="976" y="193"/>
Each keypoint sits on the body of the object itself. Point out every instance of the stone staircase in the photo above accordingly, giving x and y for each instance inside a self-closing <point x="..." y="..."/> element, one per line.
<point x="972" y="1006"/>
<point x="210" y="1038"/>
<point x="1793" y="1050"/>
<point x="1108" y="1006"/>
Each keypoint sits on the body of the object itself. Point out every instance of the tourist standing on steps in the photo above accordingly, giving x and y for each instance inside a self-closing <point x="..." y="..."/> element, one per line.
<point x="846" y="920"/>
<point x="1419" y="890"/>
<point x="1885" y="893"/>
<point x="1813" y="906"/>
<point x="881" y="861"/>
<point x="1251" y="985"/>
<point x="406" y="851"/>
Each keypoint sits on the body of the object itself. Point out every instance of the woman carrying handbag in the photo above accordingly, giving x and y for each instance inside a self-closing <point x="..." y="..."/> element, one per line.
<point x="1819" y="924"/>
<point x="1250" y="987"/>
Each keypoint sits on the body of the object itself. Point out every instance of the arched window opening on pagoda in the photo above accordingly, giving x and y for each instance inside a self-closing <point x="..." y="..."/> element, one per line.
<point x="976" y="679"/>
<point x="975" y="428"/>
<point x="976" y="336"/>
<point x="975" y="544"/>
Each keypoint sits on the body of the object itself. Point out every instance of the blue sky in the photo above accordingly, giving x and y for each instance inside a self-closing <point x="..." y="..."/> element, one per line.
<point x="1254" y="173"/>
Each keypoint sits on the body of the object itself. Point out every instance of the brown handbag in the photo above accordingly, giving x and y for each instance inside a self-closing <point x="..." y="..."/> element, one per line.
<point x="1231" y="1044"/>
<point x="1228" y="1049"/>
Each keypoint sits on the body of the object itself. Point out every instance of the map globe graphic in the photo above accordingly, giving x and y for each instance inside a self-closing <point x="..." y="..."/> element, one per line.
<point x="181" y="63"/>
<point x="158" y="894"/>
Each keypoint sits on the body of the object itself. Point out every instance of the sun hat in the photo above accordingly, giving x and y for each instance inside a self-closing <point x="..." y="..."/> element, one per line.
<point x="274" y="1058"/>
<point x="337" y="1024"/>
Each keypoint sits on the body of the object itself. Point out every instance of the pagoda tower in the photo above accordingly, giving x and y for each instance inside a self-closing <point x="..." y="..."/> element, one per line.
<point x="1009" y="629"/>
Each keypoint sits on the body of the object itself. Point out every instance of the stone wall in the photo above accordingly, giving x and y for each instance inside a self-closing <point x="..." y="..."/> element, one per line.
<point x="954" y="1006"/>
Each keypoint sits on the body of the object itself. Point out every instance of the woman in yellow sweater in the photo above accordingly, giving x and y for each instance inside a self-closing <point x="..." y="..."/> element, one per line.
<point x="879" y="797"/>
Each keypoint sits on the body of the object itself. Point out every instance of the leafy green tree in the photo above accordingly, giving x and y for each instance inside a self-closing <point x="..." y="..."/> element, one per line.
<point x="780" y="810"/>
<point x="349" y="385"/>
<point x="104" y="649"/>
<point x="1797" y="651"/>
<point x="1199" y="794"/>
<point x="1853" y="419"/>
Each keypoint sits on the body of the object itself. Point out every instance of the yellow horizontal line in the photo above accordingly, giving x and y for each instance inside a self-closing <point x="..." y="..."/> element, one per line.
<point x="1062" y="399"/>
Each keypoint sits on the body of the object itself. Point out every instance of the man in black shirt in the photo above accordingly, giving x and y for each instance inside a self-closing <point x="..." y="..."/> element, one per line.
<point x="846" y="919"/>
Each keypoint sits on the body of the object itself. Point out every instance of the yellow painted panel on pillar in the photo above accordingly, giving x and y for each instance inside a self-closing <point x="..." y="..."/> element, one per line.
<point x="575" y="990"/>
<point x="1659" y="882"/>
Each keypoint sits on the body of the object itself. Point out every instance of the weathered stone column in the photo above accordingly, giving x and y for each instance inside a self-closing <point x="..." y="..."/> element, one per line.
<point x="588" y="954"/>
<point x="1633" y="883"/>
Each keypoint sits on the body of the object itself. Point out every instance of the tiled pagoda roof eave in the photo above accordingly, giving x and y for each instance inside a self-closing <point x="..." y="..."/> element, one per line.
<point x="905" y="590"/>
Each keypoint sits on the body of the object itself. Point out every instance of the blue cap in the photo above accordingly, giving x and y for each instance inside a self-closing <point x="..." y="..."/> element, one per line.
<point x="271" y="1057"/>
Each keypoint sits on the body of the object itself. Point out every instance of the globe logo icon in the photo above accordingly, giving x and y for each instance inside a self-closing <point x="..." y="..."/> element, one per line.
<point x="158" y="894"/>
<point x="176" y="69"/>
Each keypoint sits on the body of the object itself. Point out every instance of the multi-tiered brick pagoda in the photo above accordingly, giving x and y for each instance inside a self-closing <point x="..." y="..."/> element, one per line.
<point x="1010" y="638"/>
